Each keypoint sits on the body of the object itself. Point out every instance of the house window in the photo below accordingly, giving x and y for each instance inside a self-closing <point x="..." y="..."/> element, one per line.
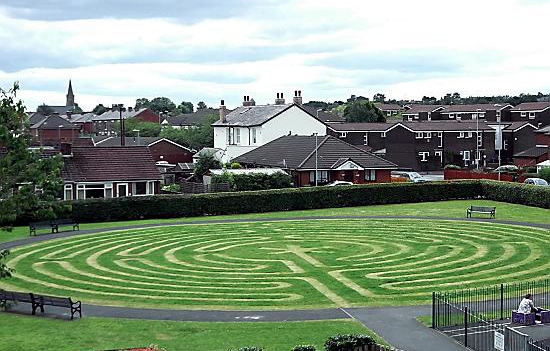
<point x="343" y="135"/>
<point x="410" y="118"/>
<point x="524" y="114"/>
<point x="108" y="190"/>
<point x="91" y="191"/>
<point x="505" y="145"/>
<point x="498" y="115"/>
<point x="482" y="115"/>
<point x="254" y="140"/>
<point x="479" y="139"/>
<point x="531" y="115"/>
<point x="228" y="133"/>
<point x="428" y="135"/>
<point x="238" y="136"/>
<point x="474" y="115"/>
<point x="366" y="139"/>
<point x="424" y="156"/>
<point x="322" y="177"/>
<point x="68" y="192"/>
<point x="460" y="135"/>
<point x="419" y="135"/>
<point x="440" y="155"/>
<point x="440" y="136"/>
<point x="470" y="135"/>
<point x="451" y="115"/>
<point x="150" y="188"/>
<point x="370" y="175"/>
<point x="383" y="134"/>
<point x="141" y="188"/>
<point x="466" y="155"/>
<point x="429" y="116"/>
<point x="80" y="191"/>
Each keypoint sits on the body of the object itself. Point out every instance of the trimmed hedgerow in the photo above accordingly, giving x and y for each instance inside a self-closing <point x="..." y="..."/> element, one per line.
<point x="347" y="342"/>
<point x="175" y="206"/>
<point x="516" y="193"/>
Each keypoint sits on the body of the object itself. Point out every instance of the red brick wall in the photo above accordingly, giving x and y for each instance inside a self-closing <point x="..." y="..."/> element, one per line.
<point x="170" y="152"/>
<point x="383" y="176"/>
<point x="542" y="139"/>
<point x="54" y="134"/>
<point x="148" y="116"/>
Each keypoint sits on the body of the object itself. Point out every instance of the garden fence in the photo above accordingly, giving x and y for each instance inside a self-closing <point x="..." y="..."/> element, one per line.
<point x="200" y="188"/>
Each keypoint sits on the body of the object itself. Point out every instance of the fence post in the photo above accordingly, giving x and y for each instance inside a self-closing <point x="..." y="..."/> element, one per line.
<point x="501" y="301"/>
<point x="433" y="310"/>
<point x="466" y="326"/>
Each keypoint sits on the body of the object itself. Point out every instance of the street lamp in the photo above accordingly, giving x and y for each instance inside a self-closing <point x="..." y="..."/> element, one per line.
<point x="477" y="139"/>
<point x="315" y="158"/>
<point x="119" y="107"/>
<point x="137" y="131"/>
<point x="59" y="133"/>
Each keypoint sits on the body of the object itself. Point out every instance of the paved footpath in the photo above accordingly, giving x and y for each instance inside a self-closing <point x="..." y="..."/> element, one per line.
<point x="396" y="325"/>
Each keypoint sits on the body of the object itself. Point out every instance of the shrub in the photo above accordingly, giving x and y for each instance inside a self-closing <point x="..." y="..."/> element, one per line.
<point x="254" y="181"/>
<point x="544" y="173"/>
<point x="455" y="167"/>
<point x="236" y="165"/>
<point x="516" y="193"/>
<point x="304" y="348"/>
<point x="175" y="206"/>
<point x="529" y="169"/>
<point x="347" y="342"/>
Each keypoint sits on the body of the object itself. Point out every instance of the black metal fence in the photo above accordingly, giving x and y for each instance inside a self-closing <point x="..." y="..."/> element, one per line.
<point x="477" y="318"/>
<point x="200" y="188"/>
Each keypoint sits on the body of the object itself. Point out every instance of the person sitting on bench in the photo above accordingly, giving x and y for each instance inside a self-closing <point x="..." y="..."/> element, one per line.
<point x="527" y="306"/>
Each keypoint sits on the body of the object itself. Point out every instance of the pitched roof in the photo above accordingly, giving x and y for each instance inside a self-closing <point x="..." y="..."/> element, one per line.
<point x="324" y="116"/>
<point x="189" y="119"/>
<point x="360" y="127"/>
<point x="514" y="126"/>
<point x="36" y="117"/>
<point x="81" y="118"/>
<point x="536" y="151"/>
<point x="61" y="110"/>
<point x="545" y="130"/>
<point x="248" y="116"/>
<point x="95" y="164"/>
<point x="416" y="109"/>
<point x="128" y="141"/>
<point x="446" y="126"/>
<point x="474" y="107"/>
<point x="54" y="122"/>
<point x="115" y="115"/>
<point x="298" y="152"/>
<point x="389" y="107"/>
<point x="531" y="106"/>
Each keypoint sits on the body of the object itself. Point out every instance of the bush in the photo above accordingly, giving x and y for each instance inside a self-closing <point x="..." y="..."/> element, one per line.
<point x="529" y="169"/>
<point x="544" y="173"/>
<point x="304" y="348"/>
<point x="236" y="165"/>
<point x="175" y="206"/>
<point x="254" y="181"/>
<point x="516" y="193"/>
<point x="347" y="342"/>
<point x="455" y="167"/>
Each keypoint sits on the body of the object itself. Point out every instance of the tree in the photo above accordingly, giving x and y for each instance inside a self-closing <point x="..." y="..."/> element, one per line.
<point x="185" y="107"/>
<point x="379" y="97"/>
<point x="363" y="111"/>
<point x="205" y="162"/>
<point x="162" y="104"/>
<point x="195" y="138"/>
<point x="5" y="271"/>
<point x="201" y="105"/>
<point x="99" y="109"/>
<point x="142" y="103"/>
<point x="44" y="110"/>
<point x="76" y="109"/>
<point x="146" y="129"/>
<point x="29" y="183"/>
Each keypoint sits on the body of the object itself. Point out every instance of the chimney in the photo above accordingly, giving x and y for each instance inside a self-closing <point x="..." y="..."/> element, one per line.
<point x="280" y="99"/>
<point x="297" y="99"/>
<point x="223" y="111"/>
<point x="251" y="102"/>
<point x="247" y="101"/>
<point x="66" y="149"/>
<point x="130" y="108"/>
<point x="69" y="114"/>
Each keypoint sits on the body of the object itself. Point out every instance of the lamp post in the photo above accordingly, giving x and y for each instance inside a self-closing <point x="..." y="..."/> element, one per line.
<point x="315" y="158"/>
<point x="119" y="107"/>
<point x="500" y="143"/>
<point x="137" y="131"/>
<point x="477" y="139"/>
<point x="59" y="133"/>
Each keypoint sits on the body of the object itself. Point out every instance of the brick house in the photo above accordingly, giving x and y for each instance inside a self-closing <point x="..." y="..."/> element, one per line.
<point x="104" y="124"/>
<point x="368" y="136"/>
<point x="485" y="112"/>
<point x="53" y="130"/>
<point x="389" y="109"/>
<point x="538" y="153"/>
<point x="105" y="172"/>
<point x="333" y="159"/>
<point x="423" y="113"/>
<point x="536" y="113"/>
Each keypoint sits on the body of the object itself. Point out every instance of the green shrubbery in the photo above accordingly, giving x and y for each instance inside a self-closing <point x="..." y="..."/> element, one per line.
<point x="544" y="173"/>
<point x="340" y="342"/>
<point x="516" y="193"/>
<point x="254" y="181"/>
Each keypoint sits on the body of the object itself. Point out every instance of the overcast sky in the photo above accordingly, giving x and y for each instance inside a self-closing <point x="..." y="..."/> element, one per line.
<point x="120" y="50"/>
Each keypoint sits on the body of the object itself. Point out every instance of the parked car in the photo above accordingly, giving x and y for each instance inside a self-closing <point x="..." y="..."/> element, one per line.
<point x="536" y="181"/>
<point x="410" y="176"/>
<point x="506" y="168"/>
<point x="339" y="183"/>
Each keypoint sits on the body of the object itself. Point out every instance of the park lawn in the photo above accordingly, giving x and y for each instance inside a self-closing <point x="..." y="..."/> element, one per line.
<point x="453" y="209"/>
<point x="36" y="333"/>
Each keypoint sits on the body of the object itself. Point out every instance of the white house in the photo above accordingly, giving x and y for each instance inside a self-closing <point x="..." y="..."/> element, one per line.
<point x="250" y="126"/>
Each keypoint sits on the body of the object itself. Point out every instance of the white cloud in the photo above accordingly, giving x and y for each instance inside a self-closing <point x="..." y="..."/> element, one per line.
<point x="327" y="49"/>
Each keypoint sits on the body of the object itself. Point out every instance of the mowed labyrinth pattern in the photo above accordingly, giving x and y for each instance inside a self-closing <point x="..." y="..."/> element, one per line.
<point x="290" y="264"/>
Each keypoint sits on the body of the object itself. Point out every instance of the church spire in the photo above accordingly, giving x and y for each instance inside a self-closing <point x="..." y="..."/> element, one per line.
<point x="70" y="95"/>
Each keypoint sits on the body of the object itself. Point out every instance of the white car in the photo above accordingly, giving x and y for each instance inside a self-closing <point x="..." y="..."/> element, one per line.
<point x="412" y="176"/>
<point x="339" y="183"/>
<point x="536" y="181"/>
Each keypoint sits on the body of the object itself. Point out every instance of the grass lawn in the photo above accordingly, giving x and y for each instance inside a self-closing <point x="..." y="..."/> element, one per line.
<point x="281" y="265"/>
<point x="34" y="333"/>
<point x="455" y="209"/>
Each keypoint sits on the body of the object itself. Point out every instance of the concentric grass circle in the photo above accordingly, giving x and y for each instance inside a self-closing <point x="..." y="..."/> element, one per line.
<point x="288" y="264"/>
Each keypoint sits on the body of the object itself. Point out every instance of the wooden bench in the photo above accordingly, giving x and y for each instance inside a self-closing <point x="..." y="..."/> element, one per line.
<point x="67" y="302"/>
<point x="481" y="209"/>
<point x="53" y="225"/>
<point x="39" y="301"/>
<point x="33" y="226"/>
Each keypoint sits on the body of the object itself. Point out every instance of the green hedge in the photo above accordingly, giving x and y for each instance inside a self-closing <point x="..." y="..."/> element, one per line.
<point x="175" y="206"/>
<point x="516" y="193"/>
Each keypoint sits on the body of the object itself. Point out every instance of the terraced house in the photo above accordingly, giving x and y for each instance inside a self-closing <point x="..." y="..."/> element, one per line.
<point x="536" y="113"/>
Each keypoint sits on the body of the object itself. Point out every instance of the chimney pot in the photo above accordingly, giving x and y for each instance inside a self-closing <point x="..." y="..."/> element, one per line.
<point x="223" y="111"/>
<point x="297" y="99"/>
<point x="279" y="100"/>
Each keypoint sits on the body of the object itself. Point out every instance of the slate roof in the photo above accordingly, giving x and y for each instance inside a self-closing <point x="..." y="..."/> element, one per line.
<point x="81" y="118"/>
<point x="324" y="116"/>
<point x="360" y="127"/>
<point x="54" y="122"/>
<point x="445" y="126"/>
<point x="115" y="115"/>
<point x="36" y="117"/>
<point x="389" y="107"/>
<point x="531" y="106"/>
<point x="248" y="116"/>
<point x="513" y="126"/>
<point x="61" y="110"/>
<point x="110" y="141"/>
<point x="195" y="118"/>
<point x="416" y="109"/>
<point x="298" y="152"/>
<point x="474" y="107"/>
<point x="96" y="164"/>
<point x="534" y="152"/>
<point x="545" y="130"/>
